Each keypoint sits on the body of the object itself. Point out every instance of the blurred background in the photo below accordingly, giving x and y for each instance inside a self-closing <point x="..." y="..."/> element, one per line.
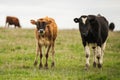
<point x="63" y="11"/>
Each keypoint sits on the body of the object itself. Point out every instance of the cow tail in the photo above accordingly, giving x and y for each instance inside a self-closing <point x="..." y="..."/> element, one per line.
<point x="111" y="26"/>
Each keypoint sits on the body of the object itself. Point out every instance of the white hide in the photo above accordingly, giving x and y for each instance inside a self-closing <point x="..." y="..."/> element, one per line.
<point x="87" y="52"/>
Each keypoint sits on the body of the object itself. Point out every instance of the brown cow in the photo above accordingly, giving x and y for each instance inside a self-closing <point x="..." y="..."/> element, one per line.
<point x="45" y="33"/>
<point x="12" y="21"/>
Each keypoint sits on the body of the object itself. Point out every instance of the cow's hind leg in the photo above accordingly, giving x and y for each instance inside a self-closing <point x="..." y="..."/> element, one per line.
<point x="46" y="64"/>
<point x="87" y="52"/>
<point x="94" y="47"/>
<point x="94" y="57"/>
<point x="99" y="53"/>
<point x="53" y="52"/>
<point x="102" y="53"/>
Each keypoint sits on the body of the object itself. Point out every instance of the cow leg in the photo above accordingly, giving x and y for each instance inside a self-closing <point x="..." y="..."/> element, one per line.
<point x="46" y="64"/>
<point x="102" y="53"/>
<point x="99" y="52"/>
<point x="36" y="57"/>
<point x="40" y="65"/>
<point x="5" y="25"/>
<point x="94" y="57"/>
<point x="8" y="25"/>
<point x="15" y="26"/>
<point x="87" y="52"/>
<point x="53" y="52"/>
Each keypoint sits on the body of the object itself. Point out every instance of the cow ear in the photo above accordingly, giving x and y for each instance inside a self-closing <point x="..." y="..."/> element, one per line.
<point x="76" y="20"/>
<point x="33" y="22"/>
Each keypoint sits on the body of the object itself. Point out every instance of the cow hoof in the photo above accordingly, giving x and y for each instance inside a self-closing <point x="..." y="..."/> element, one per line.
<point x="46" y="66"/>
<point x="86" y="67"/>
<point x="99" y="65"/>
<point x="35" y="63"/>
<point x="40" y="65"/>
<point x="94" y="64"/>
<point x="52" y="64"/>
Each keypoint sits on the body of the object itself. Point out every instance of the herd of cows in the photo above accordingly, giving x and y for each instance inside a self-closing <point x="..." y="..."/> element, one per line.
<point x="93" y="30"/>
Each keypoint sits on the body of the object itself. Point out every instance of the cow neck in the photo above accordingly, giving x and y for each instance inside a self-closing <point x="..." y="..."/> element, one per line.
<point x="41" y="36"/>
<point x="48" y="36"/>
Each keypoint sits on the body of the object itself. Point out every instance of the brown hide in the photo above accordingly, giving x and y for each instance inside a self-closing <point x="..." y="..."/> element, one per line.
<point x="47" y="40"/>
<point x="12" y="21"/>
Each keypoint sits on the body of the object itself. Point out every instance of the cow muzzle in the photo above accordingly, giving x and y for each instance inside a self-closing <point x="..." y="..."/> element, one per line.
<point x="41" y="31"/>
<point x="84" y="33"/>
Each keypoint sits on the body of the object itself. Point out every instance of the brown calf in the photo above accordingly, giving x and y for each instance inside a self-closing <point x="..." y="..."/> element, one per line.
<point x="45" y="33"/>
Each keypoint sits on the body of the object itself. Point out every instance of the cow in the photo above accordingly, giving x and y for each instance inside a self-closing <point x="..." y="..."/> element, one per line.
<point x="94" y="30"/>
<point x="10" y="20"/>
<point x="45" y="33"/>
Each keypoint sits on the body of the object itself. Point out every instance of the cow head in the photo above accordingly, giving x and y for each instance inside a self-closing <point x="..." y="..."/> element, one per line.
<point x="41" y="25"/>
<point x="85" y="23"/>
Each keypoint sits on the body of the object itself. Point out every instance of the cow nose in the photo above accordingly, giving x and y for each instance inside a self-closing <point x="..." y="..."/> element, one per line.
<point x="84" y="33"/>
<point x="41" y="31"/>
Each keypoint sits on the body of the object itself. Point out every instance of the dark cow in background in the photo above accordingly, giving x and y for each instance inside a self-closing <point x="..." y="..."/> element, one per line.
<point x="45" y="33"/>
<point x="94" y="30"/>
<point x="12" y="21"/>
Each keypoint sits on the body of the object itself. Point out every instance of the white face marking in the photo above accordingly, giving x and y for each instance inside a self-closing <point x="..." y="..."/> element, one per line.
<point x="84" y="20"/>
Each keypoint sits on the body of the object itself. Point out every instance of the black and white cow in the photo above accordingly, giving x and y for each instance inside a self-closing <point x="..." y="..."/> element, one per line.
<point x="94" y="30"/>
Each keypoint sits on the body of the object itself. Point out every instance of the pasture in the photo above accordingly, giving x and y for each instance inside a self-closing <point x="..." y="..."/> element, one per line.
<point x="17" y="53"/>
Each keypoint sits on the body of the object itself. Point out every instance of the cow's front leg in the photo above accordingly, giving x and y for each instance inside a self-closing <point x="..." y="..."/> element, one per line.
<point x="37" y="54"/>
<point x="40" y="65"/>
<point x="87" y="52"/>
<point x="46" y="64"/>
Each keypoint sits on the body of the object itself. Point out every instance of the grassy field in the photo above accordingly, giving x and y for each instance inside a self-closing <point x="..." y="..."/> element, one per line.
<point x="17" y="52"/>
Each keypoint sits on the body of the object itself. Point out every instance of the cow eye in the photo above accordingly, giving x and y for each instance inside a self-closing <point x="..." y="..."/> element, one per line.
<point x="37" y="25"/>
<point x="43" y="22"/>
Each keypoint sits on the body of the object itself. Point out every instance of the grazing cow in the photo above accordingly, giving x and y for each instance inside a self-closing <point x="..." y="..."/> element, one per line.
<point x="46" y="33"/>
<point x="12" y="21"/>
<point x="94" y="30"/>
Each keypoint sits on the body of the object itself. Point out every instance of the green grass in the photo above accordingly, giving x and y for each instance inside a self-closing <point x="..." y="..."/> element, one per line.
<point x="17" y="53"/>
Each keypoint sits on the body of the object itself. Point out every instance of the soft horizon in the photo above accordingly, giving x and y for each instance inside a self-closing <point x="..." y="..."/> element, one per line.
<point x="62" y="11"/>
